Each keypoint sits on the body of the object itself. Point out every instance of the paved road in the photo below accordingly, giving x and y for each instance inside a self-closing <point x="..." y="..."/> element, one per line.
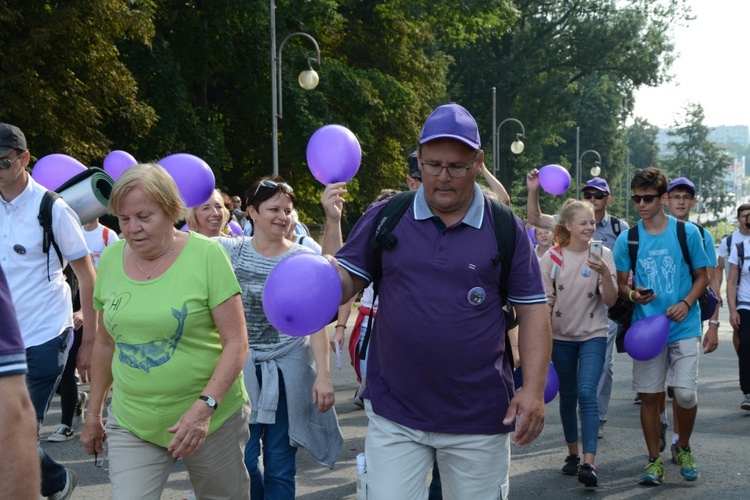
<point x="721" y="444"/>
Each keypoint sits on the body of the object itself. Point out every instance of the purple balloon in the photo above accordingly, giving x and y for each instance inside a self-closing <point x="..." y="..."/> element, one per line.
<point x="52" y="171"/>
<point x="646" y="338"/>
<point x="116" y="162"/>
<point x="333" y="154"/>
<point x="553" y="384"/>
<point x="532" y="236"/>
<point x="550" y="388"/>
<point x="235" y="228"/>
<point x="194" y="178"/>
<point x="302" y="294"/>
<point x="554" y="179"/>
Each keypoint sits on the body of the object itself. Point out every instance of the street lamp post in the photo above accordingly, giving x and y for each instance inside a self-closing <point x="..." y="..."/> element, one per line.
<point x="516" y="146"/>
<point x="595" y="170"/>
<point x="626" y="187"/>
<point x="308" y="80"/>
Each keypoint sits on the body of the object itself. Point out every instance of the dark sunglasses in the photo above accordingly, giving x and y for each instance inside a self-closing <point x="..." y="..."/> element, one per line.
<point x="598" y="196"/>
<point x="648" y="198"/>
<point x="6" y="163"/>
<point x="269" y="184"/>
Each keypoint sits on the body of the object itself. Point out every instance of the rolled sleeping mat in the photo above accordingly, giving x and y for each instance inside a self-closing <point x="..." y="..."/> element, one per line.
<point x="88" y="193"/>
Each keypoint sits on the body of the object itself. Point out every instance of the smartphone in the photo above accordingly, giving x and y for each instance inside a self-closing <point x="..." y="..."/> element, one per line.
<point x="595" y="247"/>
<point x="646" y="293"/>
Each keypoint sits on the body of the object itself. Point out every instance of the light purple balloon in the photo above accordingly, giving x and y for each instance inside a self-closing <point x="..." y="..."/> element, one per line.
<point x="116" y="162"/>
<point x="302" y="294"/>
<point x="333" y="154"/>
<point x="646" y="338"/>
<point x="554" y="179"/>
<point x="235" y="228"/>
<point x="194" y="178"/>
<point x="52" y="171"/>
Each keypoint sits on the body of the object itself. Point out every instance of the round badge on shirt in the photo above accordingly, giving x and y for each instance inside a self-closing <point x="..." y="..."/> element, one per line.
<point x="476" y="295"/>
<point x="586" y="272"/>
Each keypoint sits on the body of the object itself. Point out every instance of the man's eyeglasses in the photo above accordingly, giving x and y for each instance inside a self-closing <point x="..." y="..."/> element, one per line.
<point x="6" y="163"/>
<point x="686" y="197"/>
<point x="453" y="171"/>
<point x="269" y="184"/>
<point x="418" y="178"/>
<point x="648" y="198"/>
<point x="598" y="196"/>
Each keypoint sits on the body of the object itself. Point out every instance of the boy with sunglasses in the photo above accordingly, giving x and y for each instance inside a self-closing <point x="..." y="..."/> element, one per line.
<point x="664" y="286"/>
<point x="608" y="228"/>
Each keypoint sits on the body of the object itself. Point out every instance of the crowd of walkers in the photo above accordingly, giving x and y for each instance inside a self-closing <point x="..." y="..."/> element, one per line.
<point x="168" y="327"/>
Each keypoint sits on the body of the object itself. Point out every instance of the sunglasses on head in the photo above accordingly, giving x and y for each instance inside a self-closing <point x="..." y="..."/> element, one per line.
<point x="598" y="196"/>
<point x="648" y="198"/>
<point x="269" y="184"/>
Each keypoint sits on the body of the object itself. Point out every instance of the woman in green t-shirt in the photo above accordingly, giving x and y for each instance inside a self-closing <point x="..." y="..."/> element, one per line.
<point x="171" y="343"/>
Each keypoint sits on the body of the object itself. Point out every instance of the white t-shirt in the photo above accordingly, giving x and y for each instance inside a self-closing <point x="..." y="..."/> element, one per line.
<point x="42" y="304"/>
<point x="723" y="251"/>
<point x="743" y="293"/>
<point x="98" y="238"/>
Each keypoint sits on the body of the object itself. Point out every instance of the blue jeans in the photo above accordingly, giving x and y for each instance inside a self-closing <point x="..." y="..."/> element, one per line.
<point x="604" y="390"/>
<point x="276" y="481"/>
<point x="579" y="367"/>
<point x="46" y="363"/>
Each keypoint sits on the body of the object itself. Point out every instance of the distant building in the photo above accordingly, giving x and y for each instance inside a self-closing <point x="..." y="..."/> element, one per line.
<point x="730" y="137"/>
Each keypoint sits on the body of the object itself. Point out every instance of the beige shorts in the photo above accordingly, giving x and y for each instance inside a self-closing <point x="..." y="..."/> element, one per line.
<point x="675" y="366"/>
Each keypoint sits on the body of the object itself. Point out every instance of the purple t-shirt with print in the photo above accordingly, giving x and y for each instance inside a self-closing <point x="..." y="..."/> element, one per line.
<point x="436" y="358"/>
<point x="12" y="351"/>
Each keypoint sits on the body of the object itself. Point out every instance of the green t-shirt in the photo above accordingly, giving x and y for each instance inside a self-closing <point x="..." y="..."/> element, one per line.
<point x="167" y="345"/>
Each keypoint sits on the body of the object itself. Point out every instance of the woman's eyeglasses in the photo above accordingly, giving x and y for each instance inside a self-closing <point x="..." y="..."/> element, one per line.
<point x="269" y="184"/>
<point x="648" y="198"/>
<point x="597" y="196"/>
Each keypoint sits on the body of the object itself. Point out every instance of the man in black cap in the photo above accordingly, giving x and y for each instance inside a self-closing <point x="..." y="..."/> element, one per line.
<point x="608" y="228"/>
<point x="38" y="288"/>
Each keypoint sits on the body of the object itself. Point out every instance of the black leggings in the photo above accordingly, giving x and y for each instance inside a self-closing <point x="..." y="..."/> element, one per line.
<point x="744" y="350"/>
<point x="68" y="389"/>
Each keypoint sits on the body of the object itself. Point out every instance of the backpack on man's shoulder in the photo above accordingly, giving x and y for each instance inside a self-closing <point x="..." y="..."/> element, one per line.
<point x="48" y="239"/>
<point x="505" y="235"/>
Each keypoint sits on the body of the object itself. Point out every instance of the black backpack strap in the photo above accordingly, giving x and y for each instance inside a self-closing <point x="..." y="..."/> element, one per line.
<point x="383" y="238"/>
<point x="729" y="243"/>
<point x="633" y="239"/>
<point x="682" y="239"/>
<point x="45" y="220"/>
<point x="615" y="223"/>
<point x="740" y="260"/>
<point x="504" y="226"/>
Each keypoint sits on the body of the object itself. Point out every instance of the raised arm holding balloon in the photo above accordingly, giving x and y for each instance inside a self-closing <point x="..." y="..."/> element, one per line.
<point x="287" y="374"/>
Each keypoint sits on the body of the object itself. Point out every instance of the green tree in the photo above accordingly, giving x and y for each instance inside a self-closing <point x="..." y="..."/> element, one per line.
<point x="62" y="79"/>
<point x="699" y="159"/>
<point x="552" y="48"/>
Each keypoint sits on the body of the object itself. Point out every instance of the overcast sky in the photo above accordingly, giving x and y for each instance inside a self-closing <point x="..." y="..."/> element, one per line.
<point x="712" y="68"/>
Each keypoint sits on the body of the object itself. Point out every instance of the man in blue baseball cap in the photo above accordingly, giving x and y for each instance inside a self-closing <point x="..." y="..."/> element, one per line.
<point x="438" y="381"/>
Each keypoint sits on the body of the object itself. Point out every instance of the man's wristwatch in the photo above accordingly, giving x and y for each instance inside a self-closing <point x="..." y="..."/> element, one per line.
<point x="210" y="402"/>
<point x="713" y="322"/>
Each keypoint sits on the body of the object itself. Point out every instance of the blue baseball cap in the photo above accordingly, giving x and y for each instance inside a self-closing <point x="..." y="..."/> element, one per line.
<point x="451" y="121"/>
<point x="682" y="182"/>
<point x="597" y="183"/>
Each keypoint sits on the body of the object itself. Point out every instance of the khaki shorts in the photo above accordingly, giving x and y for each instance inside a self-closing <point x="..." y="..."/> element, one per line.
<point x="675" y="366"/>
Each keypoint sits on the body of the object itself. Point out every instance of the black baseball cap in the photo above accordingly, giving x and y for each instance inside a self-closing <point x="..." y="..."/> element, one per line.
<point x="11" y="138"/>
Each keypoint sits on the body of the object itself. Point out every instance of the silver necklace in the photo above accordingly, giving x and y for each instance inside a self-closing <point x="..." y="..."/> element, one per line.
<point x="148" y="275"/>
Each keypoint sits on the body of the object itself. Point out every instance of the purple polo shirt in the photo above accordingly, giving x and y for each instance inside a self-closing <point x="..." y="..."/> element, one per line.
<point x="12" y="351"/>
<point x="436" y="356"/>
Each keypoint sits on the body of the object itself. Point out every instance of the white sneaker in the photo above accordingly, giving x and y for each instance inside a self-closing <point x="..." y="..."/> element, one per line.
<point x="70" y="485"/>
<point x="746" y="402"/>
<point x="62" y="433"/>
<point x="80" y="414"/>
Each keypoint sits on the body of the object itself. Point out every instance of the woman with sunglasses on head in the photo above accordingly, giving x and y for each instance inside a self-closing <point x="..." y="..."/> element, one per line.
<point x="579" y="283"/>
<point x="288" y="378"/>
